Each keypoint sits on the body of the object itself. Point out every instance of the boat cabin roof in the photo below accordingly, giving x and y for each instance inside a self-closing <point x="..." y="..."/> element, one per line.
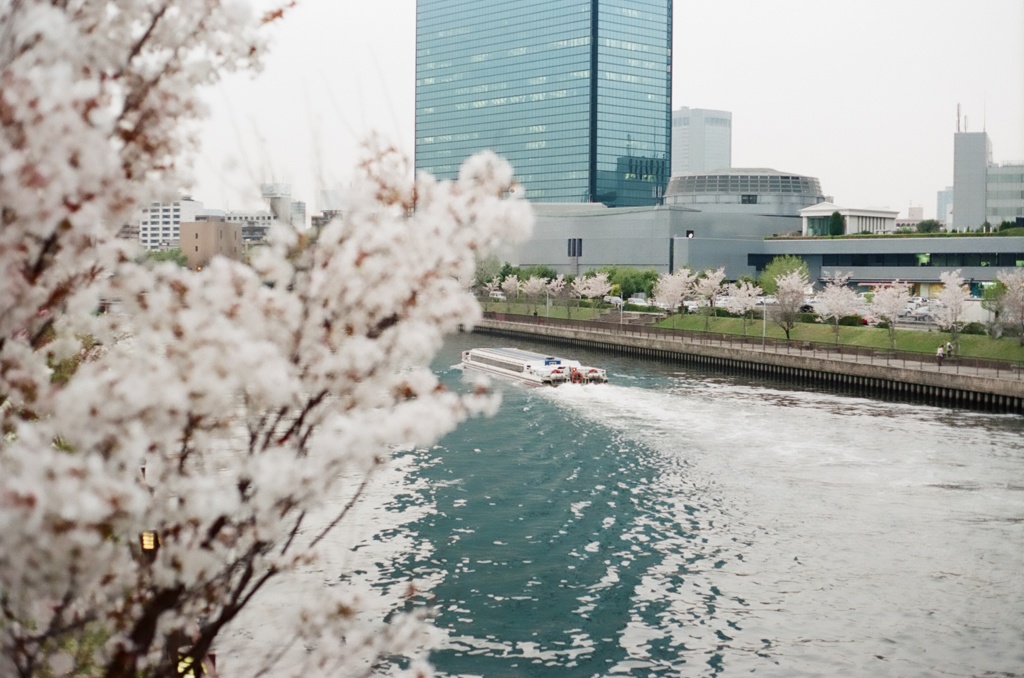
<point x="524" y="356"/>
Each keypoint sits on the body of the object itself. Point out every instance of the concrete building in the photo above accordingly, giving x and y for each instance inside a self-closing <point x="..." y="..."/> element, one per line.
<point x="915" y="215"/>
<point x="918" y="260"/>
<point x="816" y="220"/>
<point x="741" y="190"/>
<point x="944" y="206"/>
<point x="1004" y="194"/>
<point x="708" y="220"/>
<point x="972" y="154"/>
<point x="319" y="221"/>
<point x="576" y="94"/>
<point x="160" y="223"/>
<point x="129" y="232"/>
<point x="577" y="238"/>
<point x="573" y="239"/>
<point x="701" y="140"/>
<point x="298" y="214"/>
<point x="280" y="203"/>
<point x="983" y="192"/>
<point x="254" y="223"/>
<point x="202" y="240"/>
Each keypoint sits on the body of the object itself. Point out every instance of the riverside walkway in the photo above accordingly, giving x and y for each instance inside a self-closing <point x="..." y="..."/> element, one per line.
<point x="958" y="382"/>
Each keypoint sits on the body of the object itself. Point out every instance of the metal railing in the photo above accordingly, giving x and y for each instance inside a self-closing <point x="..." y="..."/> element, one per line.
<point x="913" y="360"/>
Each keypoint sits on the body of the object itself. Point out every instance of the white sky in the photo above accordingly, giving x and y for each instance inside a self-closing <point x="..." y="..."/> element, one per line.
<point x="861" y="94"/>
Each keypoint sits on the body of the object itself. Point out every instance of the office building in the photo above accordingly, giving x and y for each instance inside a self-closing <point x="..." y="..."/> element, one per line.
<point x="983" y="192"/>
<point x="972" y="154"/>
<point x="944" y="206"/>
<point x="160" y="223"/>
<point x="701" y="140"/>
<point x="1004" y="194"/>
<point x="201" y="241"/>
<point x="576" y="94"/>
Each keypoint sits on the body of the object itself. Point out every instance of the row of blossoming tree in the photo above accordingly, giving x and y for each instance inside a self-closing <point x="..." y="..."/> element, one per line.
<point x="837" y="299"/>
<point x="594" y="285"/>
<point x="166" y="463"/>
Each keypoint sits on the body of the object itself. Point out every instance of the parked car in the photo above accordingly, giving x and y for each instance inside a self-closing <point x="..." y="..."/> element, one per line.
<point x="922" y="314"/>
<point x="614" y="301"/>
<point x="497" y="296"/>
<point x="638" y="301"/>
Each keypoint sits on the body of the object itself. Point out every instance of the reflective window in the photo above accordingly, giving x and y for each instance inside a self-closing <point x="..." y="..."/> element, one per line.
<point x="579" y="104"/>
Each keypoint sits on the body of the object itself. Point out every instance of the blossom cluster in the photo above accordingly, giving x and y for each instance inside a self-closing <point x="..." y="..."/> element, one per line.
<point x="165" y="460"/>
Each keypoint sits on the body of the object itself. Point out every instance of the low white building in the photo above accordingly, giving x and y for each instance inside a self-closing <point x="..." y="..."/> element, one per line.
<point x="160" y="223"/>
<point x="815" y="220"/>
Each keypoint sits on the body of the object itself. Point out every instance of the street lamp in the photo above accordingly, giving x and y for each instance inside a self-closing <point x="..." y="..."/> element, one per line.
<point x="149" y="544"/>
<point x="764" y="321"/>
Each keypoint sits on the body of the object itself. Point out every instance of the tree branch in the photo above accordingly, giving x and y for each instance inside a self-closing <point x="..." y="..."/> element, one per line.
<point x="348" y="507"/>
<point x="297" y="424"/>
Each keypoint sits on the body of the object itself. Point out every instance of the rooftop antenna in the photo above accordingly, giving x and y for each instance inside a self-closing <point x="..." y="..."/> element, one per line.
<point x="958" y="117"/>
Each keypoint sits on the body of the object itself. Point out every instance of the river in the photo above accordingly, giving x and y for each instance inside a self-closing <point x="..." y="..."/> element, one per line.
<point x="675" y="522"/>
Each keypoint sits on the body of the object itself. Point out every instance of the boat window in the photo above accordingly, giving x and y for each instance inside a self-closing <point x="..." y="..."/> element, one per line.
<point x="496" y="362"/>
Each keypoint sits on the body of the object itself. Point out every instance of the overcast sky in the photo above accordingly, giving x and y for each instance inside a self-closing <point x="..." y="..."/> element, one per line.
<point x="861" y="94"/>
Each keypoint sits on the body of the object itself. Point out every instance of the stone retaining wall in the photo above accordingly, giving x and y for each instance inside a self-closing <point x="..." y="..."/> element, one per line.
<point x="922" y="385"/>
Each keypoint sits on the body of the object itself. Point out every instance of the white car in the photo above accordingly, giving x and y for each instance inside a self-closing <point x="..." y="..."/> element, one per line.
<point x="498" y="296"/>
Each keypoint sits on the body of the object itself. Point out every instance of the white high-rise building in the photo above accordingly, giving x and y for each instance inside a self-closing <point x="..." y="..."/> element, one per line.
<point x="701" y="140"/>
<point x="972" y="155"/>
<point x="944" y="205"/>
<point x="983" y="192"/>
<point x="1004" y="199"/>
<point x="160" y="223"/>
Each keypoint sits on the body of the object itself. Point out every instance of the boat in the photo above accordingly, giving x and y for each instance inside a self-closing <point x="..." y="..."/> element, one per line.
<point x="532" y="368"/>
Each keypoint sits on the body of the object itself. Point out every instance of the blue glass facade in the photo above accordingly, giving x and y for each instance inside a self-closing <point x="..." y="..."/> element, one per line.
<point x="576" y="94"/>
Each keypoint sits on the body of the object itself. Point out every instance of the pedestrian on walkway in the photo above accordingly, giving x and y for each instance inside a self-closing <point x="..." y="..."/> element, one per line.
<point x="949" y="349"/>
<point x="939" y="355"/>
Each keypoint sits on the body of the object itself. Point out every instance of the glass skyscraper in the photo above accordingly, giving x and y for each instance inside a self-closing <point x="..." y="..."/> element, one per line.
<point x="576" y="94"/>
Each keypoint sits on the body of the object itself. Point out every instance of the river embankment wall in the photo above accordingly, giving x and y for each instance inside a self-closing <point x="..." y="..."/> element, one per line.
<point x="985" y="389"/>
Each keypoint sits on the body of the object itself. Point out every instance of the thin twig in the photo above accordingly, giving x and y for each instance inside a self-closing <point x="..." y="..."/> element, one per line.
<point x="344" y="511"/>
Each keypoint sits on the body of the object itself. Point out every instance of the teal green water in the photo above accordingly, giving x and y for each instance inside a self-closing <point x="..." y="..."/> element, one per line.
<point x="679" y="523"/>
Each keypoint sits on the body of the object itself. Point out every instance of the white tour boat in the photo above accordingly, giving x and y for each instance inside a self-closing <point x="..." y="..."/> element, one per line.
<point x="530" y="367"/>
